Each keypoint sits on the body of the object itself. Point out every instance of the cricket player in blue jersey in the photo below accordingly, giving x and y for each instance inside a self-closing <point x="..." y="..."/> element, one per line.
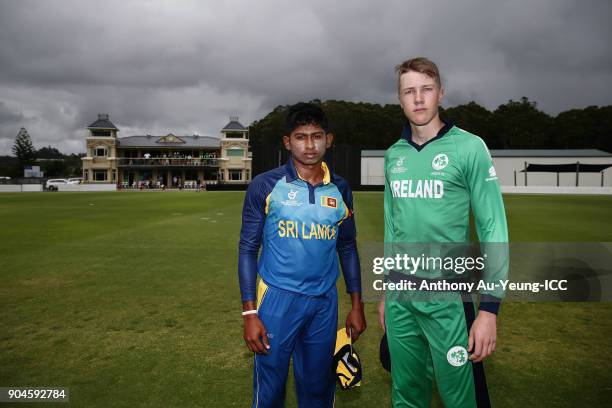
<point x="301" y="215"/>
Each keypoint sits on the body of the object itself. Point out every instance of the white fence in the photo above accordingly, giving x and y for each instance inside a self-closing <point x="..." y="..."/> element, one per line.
<point x="509" y="169"/>
<point x="86" y="187"/>
<point x="18" y="188"/>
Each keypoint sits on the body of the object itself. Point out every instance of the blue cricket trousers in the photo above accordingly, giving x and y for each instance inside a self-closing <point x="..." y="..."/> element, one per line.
<point x="303" y="327"/>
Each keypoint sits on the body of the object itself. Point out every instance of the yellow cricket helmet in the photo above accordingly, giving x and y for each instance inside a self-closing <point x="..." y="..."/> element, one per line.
<point x="346" y="363"/>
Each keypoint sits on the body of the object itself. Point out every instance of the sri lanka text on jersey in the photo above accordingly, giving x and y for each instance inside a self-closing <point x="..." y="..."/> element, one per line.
<point x="297" y="229"/>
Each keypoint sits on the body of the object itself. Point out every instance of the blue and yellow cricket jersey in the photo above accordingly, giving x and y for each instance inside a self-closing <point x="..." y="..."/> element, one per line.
<point x="302" y="230"/>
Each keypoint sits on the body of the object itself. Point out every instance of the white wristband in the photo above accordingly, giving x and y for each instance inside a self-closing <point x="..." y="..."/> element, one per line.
<point x="249" y="312"/>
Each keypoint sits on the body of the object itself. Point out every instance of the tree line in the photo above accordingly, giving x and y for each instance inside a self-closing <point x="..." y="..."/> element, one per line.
<point x="51" y="161"/>
<point x="513" y="125"/>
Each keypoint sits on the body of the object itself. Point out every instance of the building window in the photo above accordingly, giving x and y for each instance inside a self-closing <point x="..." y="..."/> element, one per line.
<point x="235" y="152"/>
<point x="234" y="135"/>
<point x="247" y="175"/>
<point x="104" y="133"/>
<point x="100" y="151"/>
<point x="235" y="175"/>
<point x="100" y="175"/>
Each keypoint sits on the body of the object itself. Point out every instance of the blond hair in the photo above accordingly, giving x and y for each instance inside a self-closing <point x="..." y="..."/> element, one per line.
<point x="419" y="64"/>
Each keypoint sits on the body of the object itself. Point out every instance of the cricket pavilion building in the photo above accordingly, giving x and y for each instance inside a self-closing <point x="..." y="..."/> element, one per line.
<point x="170" y="161"/>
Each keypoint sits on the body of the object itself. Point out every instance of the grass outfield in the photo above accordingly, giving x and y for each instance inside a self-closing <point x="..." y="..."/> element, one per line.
<point x="131" y="299"/>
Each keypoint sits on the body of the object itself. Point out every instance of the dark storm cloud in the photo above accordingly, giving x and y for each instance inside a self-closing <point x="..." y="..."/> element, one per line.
<point x="184" y="67"/>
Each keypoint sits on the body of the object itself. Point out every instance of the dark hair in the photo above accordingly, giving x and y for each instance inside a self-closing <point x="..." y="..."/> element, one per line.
<point x="302" y="114"/>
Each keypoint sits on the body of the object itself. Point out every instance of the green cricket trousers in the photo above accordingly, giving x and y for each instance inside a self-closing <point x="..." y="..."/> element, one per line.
<point x="428" y="341"/>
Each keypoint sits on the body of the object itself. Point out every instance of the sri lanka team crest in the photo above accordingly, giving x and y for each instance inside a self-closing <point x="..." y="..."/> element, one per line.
<point x="330" y="202"/>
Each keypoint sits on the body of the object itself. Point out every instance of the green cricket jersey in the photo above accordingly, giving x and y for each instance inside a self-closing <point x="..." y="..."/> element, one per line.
<point x="429" y="190"/>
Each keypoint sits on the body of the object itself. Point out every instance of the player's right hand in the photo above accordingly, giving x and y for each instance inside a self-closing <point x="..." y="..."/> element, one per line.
<point x="381" y="315"/>
<point x="255" y="335"/>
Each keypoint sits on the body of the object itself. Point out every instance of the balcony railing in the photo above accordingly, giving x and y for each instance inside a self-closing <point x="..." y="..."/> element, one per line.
<point x="166" y="162"/>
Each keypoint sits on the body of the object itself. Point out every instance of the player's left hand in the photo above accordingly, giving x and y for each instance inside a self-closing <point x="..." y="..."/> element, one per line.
<point x="355" y="321"/>
<point x="483" y="336"/>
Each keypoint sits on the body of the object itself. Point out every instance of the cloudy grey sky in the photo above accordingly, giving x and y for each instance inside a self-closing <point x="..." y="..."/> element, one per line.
<point x="186" y="66"/>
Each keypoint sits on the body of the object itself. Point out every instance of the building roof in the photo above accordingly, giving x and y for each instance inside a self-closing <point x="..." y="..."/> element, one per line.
<point x="233" y="124"/>
<point x="103" y="122"/>
<point x="566" y="168"/>
<point x="169" y="140"/>
<point x="522" y="153"/>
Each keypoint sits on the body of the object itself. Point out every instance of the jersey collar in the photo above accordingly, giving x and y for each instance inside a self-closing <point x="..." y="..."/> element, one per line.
<point x="292" y="173"/>
<point x="407" y="134"/>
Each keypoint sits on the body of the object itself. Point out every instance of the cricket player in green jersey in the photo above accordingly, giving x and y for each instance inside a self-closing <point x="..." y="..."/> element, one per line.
<point x="434" y="175"/>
